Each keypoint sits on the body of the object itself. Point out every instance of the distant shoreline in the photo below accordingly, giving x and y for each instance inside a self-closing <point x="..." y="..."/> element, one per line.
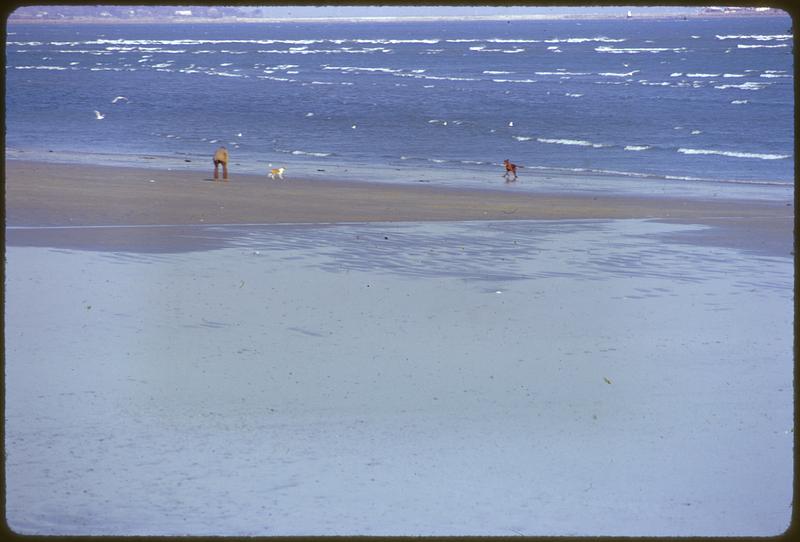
<point x="421" y="19"/>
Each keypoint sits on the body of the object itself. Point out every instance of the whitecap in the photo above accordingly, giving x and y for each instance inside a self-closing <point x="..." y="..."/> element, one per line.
<point x="735" y="154"/>
<point x="635" y="50"/>
<point x="560" y="72"/>
<point x="58" y="68"/>
<point x="702" y="75"/>
<point x="492" y="72"/>
<point x="745" y="46"/>
<point x="307" y="153"/>
<point x="577" y="142"/>
<point x="514" y="80"/>
<point x="507" y="40"/>
<point x="757" y="37"/>
<point x="601" y="39"/>
<point x="733" y="75"/>
<point x="738" y="101"/>
<point x="522" y="138"/>
<point x="572" y="95"/>
<point x="637" y="147"/>
<point x="744" y="86"/>
<point x="612" y="74"/>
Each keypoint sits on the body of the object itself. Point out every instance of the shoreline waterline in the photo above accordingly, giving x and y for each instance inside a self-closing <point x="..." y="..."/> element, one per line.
<point x="87" y="206"/>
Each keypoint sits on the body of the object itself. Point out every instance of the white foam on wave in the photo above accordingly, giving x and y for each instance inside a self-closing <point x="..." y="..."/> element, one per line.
<point x="514" y="80"/>
<point x="746" y="46"/>
<point x="430" y="41"/>
<point x="738" y="101"/>
<point x="734" y="154"/>
<point x="226" y="74"/>
<point x="573" y="95"/>
<point x="637" y="147"/>
<point x="750" y="85"/>
<point x="273" y="78"/>
<point x="343" y="50"/>
<point x="703" y="75"/>
<point x="309" y="153"/>
<point x="57" y="68"/>
<point x="601" y="39"/>
<point x="613" y="74"/>
<point x="522" y="138"/>
<point x="772" y="75"/>
<point x="361" y="69"/>
<point x="636" y="50"/>
<point x="733" y="75"/>
<point x="577" y="142"/>
<point x="483" y="49"/>
<point x="757" y="37"/>
<point x="493" y="72"/>
<point x="559" y="72"/>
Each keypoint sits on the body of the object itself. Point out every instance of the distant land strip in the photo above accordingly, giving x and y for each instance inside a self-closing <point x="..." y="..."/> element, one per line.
<point x="402" y="19"/>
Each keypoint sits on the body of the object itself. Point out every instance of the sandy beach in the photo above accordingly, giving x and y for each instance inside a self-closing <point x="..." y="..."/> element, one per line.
<point x="257" y="358"/>
<point x="44" y="194"/>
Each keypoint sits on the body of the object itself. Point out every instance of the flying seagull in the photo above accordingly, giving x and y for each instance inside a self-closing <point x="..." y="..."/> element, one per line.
<point x="118" y="98"/>
<point x="98" y="115"/>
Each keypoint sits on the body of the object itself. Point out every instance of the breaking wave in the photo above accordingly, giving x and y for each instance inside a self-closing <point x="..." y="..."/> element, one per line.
<point x="735" y="154"/>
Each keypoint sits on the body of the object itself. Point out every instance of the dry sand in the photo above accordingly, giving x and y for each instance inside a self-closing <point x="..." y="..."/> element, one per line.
<point x="47" y="194"/>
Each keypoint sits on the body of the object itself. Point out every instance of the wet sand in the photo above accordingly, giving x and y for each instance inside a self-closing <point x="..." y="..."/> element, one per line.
<point x="174" y="203"/>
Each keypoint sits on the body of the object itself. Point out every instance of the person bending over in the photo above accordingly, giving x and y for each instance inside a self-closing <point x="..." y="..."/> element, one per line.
<point x="221" y="157"/>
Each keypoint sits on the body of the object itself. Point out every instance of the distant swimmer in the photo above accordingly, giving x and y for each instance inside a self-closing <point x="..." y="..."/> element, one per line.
<point x="98" y="115"/>
<point x="510" y="169"/>
<point x="221" y="157"/>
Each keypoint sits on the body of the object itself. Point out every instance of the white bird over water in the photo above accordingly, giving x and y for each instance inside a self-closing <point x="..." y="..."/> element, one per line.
<point x="511" y="123"/>
<point x="118" y="98"/>
<point x="98" y="115"/>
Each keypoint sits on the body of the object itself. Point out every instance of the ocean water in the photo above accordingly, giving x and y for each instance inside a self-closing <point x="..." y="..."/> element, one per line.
<point x="702" y="106"/>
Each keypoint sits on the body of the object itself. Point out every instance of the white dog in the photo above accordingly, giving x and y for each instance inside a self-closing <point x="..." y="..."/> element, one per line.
<point x="276" y="172"/>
